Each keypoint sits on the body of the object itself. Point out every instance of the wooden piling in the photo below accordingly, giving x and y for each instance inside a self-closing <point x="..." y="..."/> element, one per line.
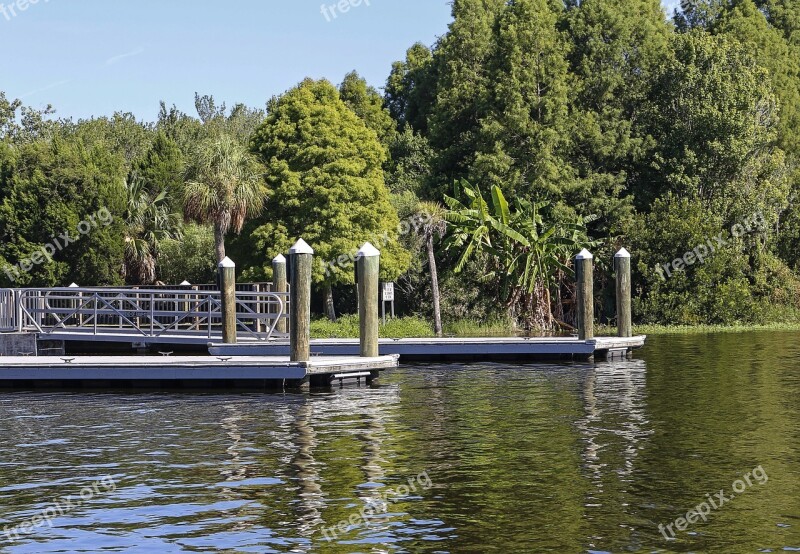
<point x="279" y="285"/>
<point x="622" y="268"/>
<point x="301" y="259"/>
<point x="584" y="275"/>
<point x="227" y="283"/>
<point x="368" y="269"/>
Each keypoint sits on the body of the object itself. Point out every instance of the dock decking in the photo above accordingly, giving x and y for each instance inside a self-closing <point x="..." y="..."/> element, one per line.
<point x="66" y="370"/>
<point x="454" y="348"/>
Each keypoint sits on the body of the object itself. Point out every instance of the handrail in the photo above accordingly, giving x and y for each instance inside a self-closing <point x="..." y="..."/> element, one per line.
<point x="146" y="312"/>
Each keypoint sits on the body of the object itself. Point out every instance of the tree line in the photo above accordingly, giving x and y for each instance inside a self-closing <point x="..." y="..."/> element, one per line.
<point x="529" y="130"/>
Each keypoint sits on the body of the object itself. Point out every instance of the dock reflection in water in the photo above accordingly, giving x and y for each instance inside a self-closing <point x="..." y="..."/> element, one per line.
<point x="545" y="458"/>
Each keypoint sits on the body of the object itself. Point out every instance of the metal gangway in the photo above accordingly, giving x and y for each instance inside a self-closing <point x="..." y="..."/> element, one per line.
<point x="141" y="315"/>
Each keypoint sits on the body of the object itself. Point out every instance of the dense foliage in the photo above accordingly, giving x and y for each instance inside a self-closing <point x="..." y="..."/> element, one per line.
<point x="677" y="138"/>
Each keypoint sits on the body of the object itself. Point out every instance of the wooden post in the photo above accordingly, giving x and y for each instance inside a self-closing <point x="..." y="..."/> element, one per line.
<point x="279" y="285"/>
<point x="584" y="275"/>
<point x="302" y="258"/>
<point x="368" y="269"/>
<point x="227" y="283"/>
<point x="622" y="267"/>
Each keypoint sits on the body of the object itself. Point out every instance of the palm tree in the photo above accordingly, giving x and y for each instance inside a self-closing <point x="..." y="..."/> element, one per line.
<point x="148" y="222"/>
<point x="435" y="226"/>
<point x="224" y="187"/>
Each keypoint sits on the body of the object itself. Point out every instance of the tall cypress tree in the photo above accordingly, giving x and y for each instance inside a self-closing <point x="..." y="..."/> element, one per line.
<point x="524" y="137"/>
<point x="618" y="46"/>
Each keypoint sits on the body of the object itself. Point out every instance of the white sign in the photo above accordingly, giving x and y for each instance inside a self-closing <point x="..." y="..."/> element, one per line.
<point x="388" y="292"/>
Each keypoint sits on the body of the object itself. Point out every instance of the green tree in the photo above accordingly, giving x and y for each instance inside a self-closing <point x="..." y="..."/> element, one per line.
<point x="524" y="138"/>
<point x="714" y="119"/>
<point x="745" y="23"/>
<point x="149" y="222"/>
<point x="463" y="88"/>
<point x="224" y="187"/>
<point x="716" y="288"/>
<point x="618" y="45"/>
<point x="324" y="168"/>
<point x="162" y="169"/>
<point x="411" y="88"/>
<point x="67" y="195"/>
<point x="367" y="103"/>
<point x="409" y="167"/>
<point x="190" y="259"/>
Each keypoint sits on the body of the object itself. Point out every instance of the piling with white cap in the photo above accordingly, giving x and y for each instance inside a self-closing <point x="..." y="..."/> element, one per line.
<point x="227" y="283"/>
<point x="301" y="259"/>
<point x="584" y="276"/>
<point x="367" y="274"/>
<point x="622" y="268"/>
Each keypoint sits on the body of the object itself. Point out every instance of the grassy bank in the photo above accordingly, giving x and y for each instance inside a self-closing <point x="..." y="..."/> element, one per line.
<point x="701" y="329"/>
<point x="409" y="327"/>
<point x="415" y="327"/>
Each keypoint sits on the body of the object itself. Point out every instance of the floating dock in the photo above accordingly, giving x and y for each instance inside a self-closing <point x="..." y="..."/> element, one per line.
<point x="471" y="349"/>
<point x="247" y="372"/>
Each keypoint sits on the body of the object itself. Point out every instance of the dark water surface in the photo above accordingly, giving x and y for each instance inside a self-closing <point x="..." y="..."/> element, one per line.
<point x="450" y="458"/>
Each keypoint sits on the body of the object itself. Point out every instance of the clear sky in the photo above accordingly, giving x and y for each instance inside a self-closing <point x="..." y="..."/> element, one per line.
<point x="95" y="57"/>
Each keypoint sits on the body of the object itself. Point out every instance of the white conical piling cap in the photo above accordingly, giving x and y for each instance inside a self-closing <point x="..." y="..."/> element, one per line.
<point x="185" y="283"/>
<point x="368" y="251"/>
<point x="584" y="255"/>
<point x="227" y="262"/>
<point x="279" y="259"/>
<point x="301" y="247"/>
<point x="622" y="254"/>
<point x="74" y="286"/>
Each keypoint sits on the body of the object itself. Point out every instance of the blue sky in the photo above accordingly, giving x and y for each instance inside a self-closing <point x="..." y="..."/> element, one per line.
<point x="94" y="57"/>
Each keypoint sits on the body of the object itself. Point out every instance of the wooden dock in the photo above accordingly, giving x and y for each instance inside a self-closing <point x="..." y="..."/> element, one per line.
<point x="471" y="349"/>
<point x="252" y="372"/>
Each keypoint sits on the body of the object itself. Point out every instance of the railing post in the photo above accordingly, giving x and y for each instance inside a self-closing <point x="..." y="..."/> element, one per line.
<point x="302" y="259"/>
<point x="368" y="269"/>
<point x="584" y="274"/>
<point x="279" y="286"/>
<point x="622" y="267"/>
<point x="227" y="273"/>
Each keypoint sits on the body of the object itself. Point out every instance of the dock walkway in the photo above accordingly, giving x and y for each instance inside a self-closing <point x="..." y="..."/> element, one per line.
<point x="475" y="349"/>
<point x="187" y="370"/>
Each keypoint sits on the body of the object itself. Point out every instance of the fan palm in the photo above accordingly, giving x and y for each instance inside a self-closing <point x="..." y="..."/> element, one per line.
<point x="224" y="187"/>
<point x="148" y="222"/>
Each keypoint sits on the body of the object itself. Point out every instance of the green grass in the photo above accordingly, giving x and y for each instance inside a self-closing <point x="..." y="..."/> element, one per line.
<point x="474" y="328"/>
<point x="416" y="327"/>
<point x="346" y="327"/>
<point x="605" y="330"/>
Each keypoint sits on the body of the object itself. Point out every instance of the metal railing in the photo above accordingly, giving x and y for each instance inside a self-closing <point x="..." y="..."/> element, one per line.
<point x="150" y="313"/>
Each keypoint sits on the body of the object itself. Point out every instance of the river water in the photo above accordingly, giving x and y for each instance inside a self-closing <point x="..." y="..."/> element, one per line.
<point x="438" y="458"/>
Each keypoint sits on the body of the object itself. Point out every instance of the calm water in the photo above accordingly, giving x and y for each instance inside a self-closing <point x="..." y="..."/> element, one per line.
<point x="480" y="458"/>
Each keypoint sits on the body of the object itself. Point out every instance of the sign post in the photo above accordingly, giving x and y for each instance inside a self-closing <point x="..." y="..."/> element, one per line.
<point x="387" y="295"/>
